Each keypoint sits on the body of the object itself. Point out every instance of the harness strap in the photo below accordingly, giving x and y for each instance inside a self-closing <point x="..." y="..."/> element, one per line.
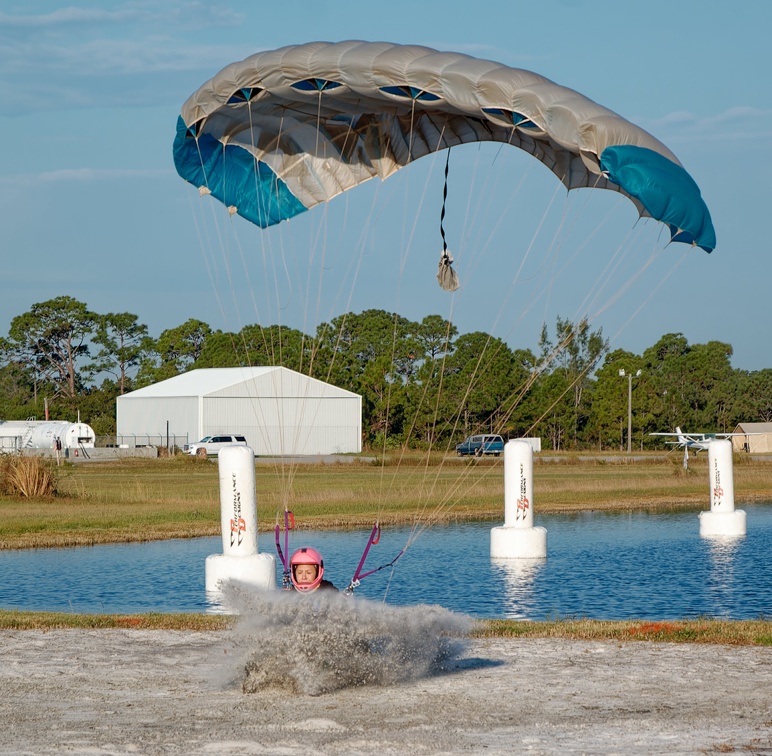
<point x="375" y="536"/>
<point x="289" y="523"/>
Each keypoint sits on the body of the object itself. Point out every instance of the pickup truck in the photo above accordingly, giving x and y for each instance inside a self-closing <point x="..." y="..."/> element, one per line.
<point x="479" y="445"/>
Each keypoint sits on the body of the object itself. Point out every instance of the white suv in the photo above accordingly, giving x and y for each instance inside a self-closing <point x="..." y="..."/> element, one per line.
<point x="212" y="444"/>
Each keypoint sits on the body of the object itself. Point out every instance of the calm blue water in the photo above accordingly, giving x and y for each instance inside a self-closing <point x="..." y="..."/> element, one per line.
<point x="602" y="566"/>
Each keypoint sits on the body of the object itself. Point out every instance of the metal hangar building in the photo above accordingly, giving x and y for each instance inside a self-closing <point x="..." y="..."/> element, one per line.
<point x="280" y="412"/>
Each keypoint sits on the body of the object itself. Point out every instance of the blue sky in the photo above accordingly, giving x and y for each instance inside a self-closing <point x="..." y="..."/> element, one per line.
<point x="93" y="208"/>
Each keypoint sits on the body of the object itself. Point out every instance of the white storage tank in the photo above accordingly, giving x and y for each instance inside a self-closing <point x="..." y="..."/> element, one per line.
<point x="41" y="434"/>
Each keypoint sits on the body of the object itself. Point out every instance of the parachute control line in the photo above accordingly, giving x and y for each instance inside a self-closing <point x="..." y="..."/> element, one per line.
<point x="518" y="538"/>
<point x="240" y="561"/>
<point x="722" y="519"/>
<point x="446" y="276"/>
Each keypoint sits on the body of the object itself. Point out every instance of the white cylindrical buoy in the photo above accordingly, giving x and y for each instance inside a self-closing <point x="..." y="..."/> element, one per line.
<point x="240" y="560"/>
<point x="722" y="519"/>
<point x="518" y="538"/>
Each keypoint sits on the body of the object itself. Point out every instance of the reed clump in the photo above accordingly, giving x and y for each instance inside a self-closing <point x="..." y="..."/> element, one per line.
<point x="27" y="477"/>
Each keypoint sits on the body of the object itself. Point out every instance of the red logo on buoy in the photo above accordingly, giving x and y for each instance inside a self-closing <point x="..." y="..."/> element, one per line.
<point x="238" y="528"/>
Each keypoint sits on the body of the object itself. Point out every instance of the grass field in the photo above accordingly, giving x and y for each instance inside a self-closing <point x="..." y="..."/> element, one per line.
<point x="737" y="633"/>
<point x="137" y="500"/>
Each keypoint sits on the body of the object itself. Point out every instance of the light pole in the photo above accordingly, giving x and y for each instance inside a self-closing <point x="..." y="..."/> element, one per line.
<point x="622" y="373"/>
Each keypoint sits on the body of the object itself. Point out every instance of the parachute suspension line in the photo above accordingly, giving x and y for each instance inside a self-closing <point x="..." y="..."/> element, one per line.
<point x="410" y="139"/>
<point x="447" y="499"/>
<point x="517" y="277"/>
<point x="215" y="284"/>
<point x="554" y="248"/>
<point x="273" y="339"/>
<point x="220" y="243"/>
<point x="318" y="123"/>
<point x="598" y="283"/>
<point x="383" y="490"/>
<point x="446" y="276"/>
<point x="485" y="357"/>
<point x="533" y="295"/>
<point x="472" y="378"/>
<point x="655" y="289"/>
<point x="206" y="245"/>
<point x="621" y="289"/>
<point x="264" y="210"/>
<point x="394" y="335"/>
<point x="605" y="278"/>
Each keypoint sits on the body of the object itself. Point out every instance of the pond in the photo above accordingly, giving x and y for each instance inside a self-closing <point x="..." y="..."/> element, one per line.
<point x="599" y="565"/>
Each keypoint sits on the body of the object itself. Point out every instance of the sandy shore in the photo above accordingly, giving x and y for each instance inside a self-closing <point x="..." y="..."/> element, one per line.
<point x="165" y="692"/>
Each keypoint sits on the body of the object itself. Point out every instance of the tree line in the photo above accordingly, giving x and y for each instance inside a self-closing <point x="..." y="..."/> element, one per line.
<point x="422" y="383"/>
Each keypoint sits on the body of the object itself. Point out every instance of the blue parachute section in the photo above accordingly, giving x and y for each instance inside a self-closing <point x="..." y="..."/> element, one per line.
<point x="234" y="177"/>
<point x="665" y="189"/>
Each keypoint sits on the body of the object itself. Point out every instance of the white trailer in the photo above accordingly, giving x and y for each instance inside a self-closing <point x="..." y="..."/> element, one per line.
<point x="17" y="435"/>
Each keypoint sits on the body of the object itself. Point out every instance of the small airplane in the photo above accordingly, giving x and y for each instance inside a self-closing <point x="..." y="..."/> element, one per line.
<point x="696" y="441"/>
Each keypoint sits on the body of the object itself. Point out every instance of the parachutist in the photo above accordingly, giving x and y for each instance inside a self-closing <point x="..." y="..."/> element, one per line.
<point x="307" y="570"/>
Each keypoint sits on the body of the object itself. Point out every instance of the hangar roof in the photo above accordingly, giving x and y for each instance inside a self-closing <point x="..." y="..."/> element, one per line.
<point x="239" y="381"/>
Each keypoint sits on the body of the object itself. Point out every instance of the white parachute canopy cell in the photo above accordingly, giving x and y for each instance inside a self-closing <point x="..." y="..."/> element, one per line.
<point x="284" y="130"/>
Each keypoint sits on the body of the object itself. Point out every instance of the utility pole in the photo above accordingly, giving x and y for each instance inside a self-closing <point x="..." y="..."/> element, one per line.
<point x="629" y="375"/>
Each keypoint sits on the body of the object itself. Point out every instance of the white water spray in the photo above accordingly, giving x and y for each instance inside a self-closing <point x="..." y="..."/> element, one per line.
<point x="317" y="643"/>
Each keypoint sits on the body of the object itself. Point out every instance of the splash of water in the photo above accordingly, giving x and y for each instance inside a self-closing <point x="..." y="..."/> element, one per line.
<point x="318" y="643"/>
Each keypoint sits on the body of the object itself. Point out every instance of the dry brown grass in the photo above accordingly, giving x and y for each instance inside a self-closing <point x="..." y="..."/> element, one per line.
<point x="18" y="620"/>
<point x="27" y="477"/>
<point x="729" y="632"/>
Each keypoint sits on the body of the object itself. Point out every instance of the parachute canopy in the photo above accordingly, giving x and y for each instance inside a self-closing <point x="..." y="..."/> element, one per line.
<point x="287" y="129"/>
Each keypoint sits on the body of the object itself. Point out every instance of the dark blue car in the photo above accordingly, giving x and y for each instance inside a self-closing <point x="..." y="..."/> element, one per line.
<point x="479" y="445"/>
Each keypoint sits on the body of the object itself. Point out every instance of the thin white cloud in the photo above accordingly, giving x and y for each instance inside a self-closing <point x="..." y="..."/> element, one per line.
<point x="104" y="57"/>
<point x="193" y="14"/>
<point x="64" y="16"/>
<point x="740" y="123"/>
<point x="81" y="175"/>
<point x="739" y="114"/>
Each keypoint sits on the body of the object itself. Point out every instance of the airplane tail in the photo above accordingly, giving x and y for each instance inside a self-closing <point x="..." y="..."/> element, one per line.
<point x="681" y="438"/>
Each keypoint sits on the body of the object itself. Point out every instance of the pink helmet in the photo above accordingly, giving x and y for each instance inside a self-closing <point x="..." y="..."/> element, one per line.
<point x="307" y="555"/>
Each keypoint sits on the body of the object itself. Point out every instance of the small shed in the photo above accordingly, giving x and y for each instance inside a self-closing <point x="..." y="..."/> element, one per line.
<point x="755" y="438"/>
<point x="279" y="411"/>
